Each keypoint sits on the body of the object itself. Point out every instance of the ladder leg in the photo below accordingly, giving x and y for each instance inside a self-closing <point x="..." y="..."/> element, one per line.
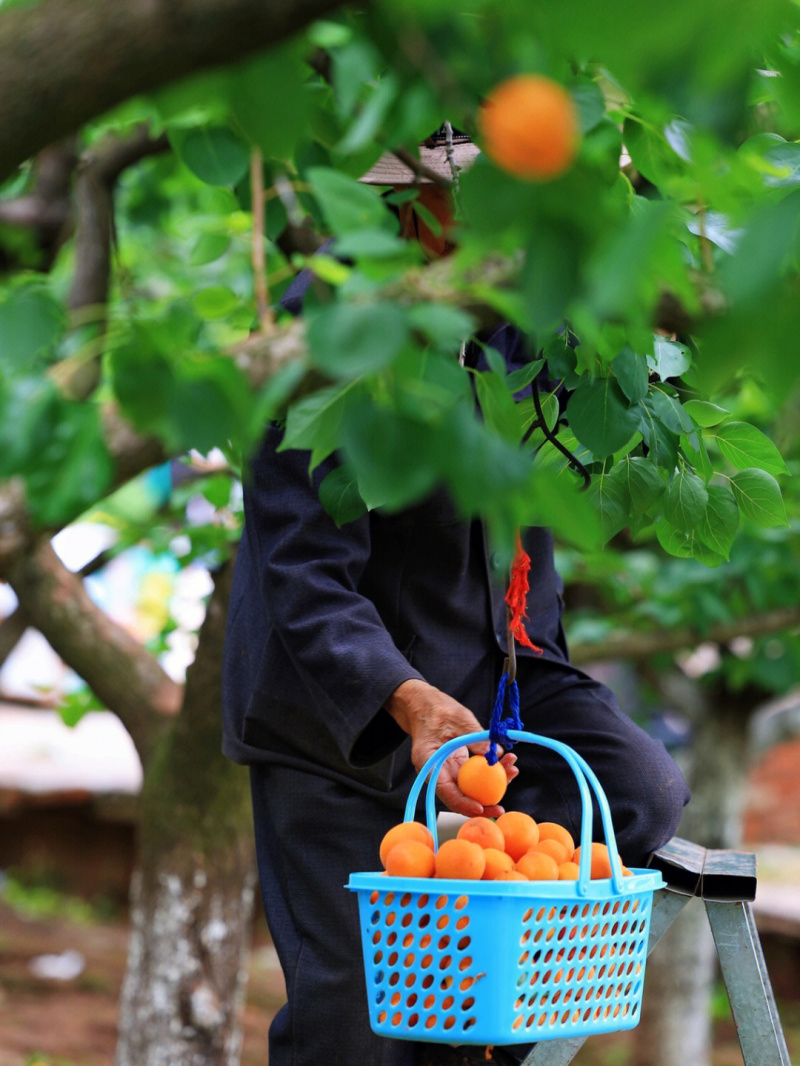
<point x="741" y="960"/>
<point x="666" y="908"/>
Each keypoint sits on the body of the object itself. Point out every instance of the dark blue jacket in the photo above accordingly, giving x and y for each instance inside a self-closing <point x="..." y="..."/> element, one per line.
<point x="325" y="622"/>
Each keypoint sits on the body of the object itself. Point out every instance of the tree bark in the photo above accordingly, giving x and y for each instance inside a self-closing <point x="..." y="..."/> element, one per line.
<point x="630" y="645"/>
<point x="124" y="676"/>
<point x="61" y="65"/>
<point x="193" y="892"/>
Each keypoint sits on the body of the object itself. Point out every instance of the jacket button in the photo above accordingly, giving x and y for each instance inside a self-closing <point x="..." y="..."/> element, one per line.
<point x="494" y="560"/>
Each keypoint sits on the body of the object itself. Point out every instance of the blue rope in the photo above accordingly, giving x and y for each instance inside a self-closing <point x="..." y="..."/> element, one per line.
<point x="499" y="726"/>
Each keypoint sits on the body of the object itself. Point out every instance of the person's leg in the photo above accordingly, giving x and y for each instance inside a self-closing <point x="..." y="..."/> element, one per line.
<point x="644" y="787"/>
<point x="311" y="834"/>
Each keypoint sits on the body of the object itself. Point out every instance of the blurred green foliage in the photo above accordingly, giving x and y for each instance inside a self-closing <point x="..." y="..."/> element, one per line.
<point x="703" y="216"/>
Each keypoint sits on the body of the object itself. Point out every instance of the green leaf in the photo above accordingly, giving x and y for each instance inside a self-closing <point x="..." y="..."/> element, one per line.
<point x="215" y="154"/>
<point x="133" y="360"/>
<point x="717" y="528"/>
<point x="621" y="272"/>
<point x="340" y="497"/>
<point x="74" y="468"/>
<point x="669" y="359"/>
<point x="207" y="404"/>
<point x="612" y="500"/>
<point x="759" y="497"/>
<point x="694" y="449"/>
<point x="497" y="405"/>
<point x="550" y="276"/>
<point x="371" y="116"/>
<point x="670" y="411"/>
<point x="29" y="413"/>
<point x="328" y="269"/>
<point x="590" y="102"/>
<point x="193" y="400"/>
<point x="347" y="206"/>
<point x="392" y="455"/>
<point x="744" y="446"/>
<point x="269" y="98"/>
<point x="444" y="326"/>
<point x="518" y="379"/>
<point x="685" y="500"/>
<point x="208" y="248"/>
<point x="644" y="482"/>
<point x="550" y="410"/>
<point x="601" y="418"/>
<point x="674" y="541"/>
<point x="685" y="545"/>
<point x="661" y="441"/>
<point x="314" y="423"/>
<point x="274" y="395"/>
<point x="704" y="413"/>
<point x="630" y="370"/>
<point x="31" y="323"/>
<point x="348" y="340"/>
<point x="215" y="301"/>
<point x="374" y="244"/>
<point x="651" y="154"/>
<point x="355" y="65"/>
<point x="784" y="157"/>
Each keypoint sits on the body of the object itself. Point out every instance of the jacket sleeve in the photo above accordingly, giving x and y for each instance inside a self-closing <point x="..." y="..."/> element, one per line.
<point x="308" y="569"/>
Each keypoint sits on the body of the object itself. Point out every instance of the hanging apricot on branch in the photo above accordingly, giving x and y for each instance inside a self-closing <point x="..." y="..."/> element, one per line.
<point x="530" y="127"/>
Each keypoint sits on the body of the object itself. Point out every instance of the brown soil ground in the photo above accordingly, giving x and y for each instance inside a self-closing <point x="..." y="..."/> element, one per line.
<point x="73" y="1023"/>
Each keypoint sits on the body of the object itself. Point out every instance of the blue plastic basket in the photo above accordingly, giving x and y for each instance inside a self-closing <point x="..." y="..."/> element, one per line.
<point x="504" y="962"/>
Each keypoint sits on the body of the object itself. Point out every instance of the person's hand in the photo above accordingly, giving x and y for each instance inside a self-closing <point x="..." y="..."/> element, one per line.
<point x="431" y="717"/>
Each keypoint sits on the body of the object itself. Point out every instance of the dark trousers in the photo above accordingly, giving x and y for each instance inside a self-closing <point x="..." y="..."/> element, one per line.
<point x="312" y="832"/>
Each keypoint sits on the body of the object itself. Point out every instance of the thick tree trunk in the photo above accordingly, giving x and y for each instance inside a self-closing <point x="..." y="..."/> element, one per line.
<point x="193" y="893"/>
<point x="186" y="977"/>
<point x="675" y="1028"/>
<point x="61" y="66"/>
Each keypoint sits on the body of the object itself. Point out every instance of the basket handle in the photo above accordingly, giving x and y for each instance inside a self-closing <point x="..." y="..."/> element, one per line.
<point x="581" y="770"/>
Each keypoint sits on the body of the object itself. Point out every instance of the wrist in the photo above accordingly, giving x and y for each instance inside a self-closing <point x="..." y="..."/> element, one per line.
<point x="402" y="701"/>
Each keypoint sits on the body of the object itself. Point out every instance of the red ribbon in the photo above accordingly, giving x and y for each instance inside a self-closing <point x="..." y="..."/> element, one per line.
<point x="517" y="597"/>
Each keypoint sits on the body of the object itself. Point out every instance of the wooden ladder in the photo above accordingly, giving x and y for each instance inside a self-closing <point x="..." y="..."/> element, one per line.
<point x="726" y="883"/>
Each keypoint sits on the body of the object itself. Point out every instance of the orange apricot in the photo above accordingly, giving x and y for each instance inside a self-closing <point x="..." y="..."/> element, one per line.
<point x="537" y="866"/>
<point x="554" y="831"/>
<point x="404" y="831"/>
<point x="520" y="833"/>
<point x="460" y="858"/>
<point x="410" y="858"/>
<point x="482" y="831"/>
<point x="497" y="862"/>
<point x="530" y="127"/>
<point x="554" y="848"/>
<point x="482" y="782"/>
<point x="600" y="861"/>
<point x="568" y="871"/>
<point x="510" y="875"/>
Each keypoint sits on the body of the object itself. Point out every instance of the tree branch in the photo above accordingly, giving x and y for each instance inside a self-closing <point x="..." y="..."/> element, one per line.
<point x="61" y="66"/>
<point x="13" y="626"/>
<point x="119" y="670"/>
<point x="96" y="178"/>
<point x="645" y="645"/>
<point x="46" y="206"/>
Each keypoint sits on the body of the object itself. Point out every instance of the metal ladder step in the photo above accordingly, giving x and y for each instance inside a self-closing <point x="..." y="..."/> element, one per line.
<point x="726" y="883"/>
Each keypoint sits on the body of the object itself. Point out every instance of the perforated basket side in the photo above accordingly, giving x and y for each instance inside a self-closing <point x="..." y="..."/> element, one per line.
<point x="475" y="962"/>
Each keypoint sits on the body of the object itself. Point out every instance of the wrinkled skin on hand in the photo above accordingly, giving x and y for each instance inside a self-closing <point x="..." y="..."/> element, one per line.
<point x="431" y="718"/>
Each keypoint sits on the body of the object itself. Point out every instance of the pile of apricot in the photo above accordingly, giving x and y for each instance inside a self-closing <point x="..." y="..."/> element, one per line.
<point x="513" y="847"/>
